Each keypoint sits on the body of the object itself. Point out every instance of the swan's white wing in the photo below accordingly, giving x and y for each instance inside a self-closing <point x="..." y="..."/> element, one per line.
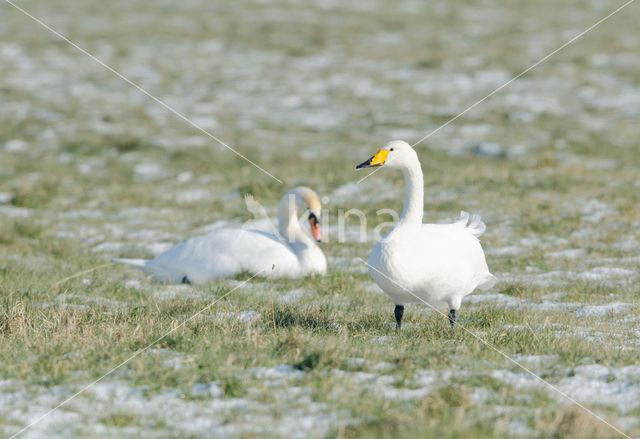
<point x="452" y="256"/>
<point x="225" y="253"/>
<point x="255" y="208"/>
<point x="262" y="221"/>
<point x="438" y="264"/>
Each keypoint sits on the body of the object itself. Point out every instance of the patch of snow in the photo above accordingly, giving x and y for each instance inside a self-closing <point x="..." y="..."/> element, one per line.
<point x="371" y="287"/>
<point x="520" y="428"/>
<point x="574" y="253"/>
<point x="66" y="158"/>
<point x="6" y="197"/>
<point x="193" y="195"/>
<point x="211" y="389"/>
<point x="354" y="265"/>
<point x="405" y="394"/>
<point x="283" y="372"/>
<point x="133" y="283"/>
<point x="603" y="273"/>
<point x="608" y="309"/>
<point x="536" y="360"/>
<point x="594" y="211"/>
<point x="612" y="386"/>
<point x="584" y="233"/>
<point x="554" y="296"/>
<point x="511" y="250"/>
<point x="169" y="359"/>
<point x="480" y="395"/>
<point x="109" y="247"/>
<point x="242" y="316"/>
<point x="63" y="298"/>
<point x="383" y="367"/>
<point x="489" y="149"/>
<point x="292" y="296"/>
<point x="627" y="244"/>
<point x="348" y="191"/>
<point x="148" y="172"/>
<point x="209" y="415"/>
<point x="381" y="339"/>
<point x="16" y="212"/>
<point x="16" y="145"/>
<point x="496" y="299"/>
<point x="168" y="292"/>
<point x="356" y="362"/>
<point x="519" y="380"/>
<point x="158" y="247"/>
<point x="185" y="176"/>
<point x="531" y="242"/>
<point x="560" y="278"/>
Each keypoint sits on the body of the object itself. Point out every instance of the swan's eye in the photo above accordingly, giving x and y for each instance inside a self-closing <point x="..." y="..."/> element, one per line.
<point x="391" y="149"/>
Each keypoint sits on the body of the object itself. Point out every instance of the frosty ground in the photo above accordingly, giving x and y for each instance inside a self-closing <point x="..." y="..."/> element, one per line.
<point x="91" y="169"/>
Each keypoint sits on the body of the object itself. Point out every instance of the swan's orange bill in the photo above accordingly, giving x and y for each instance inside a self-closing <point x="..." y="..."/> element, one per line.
<point x="376" y="160"/>
<point x="315" y="228"/>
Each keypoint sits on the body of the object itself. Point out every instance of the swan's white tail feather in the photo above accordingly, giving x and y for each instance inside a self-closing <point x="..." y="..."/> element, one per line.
<point x="138" y="263"/>
<point x="475" y="226"/>
<point x="487" y="282"/>
<point x="464" y="218"/>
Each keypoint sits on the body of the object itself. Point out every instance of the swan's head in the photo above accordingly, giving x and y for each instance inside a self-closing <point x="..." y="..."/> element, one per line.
<point x="395" y="154"/>
<point x="314" y="207"/>
<point x="307" y="199"/>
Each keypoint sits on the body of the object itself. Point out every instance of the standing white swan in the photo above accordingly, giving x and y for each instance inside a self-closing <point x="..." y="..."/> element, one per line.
<point x="226" y="252"/>
<point x="434" y="263"/>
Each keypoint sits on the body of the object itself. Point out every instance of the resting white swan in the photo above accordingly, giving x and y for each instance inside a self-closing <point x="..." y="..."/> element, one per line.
<point x="434" y="263"/>
<point x="229" y="251"/>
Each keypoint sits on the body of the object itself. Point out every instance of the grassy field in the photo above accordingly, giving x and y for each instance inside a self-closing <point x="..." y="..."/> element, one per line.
<point x="90" y="169"/>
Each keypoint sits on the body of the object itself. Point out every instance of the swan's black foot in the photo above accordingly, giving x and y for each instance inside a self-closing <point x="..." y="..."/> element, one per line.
<point x="185" y="280"/>
<point x="453" y="317"/>
<point x="399" y="312"/>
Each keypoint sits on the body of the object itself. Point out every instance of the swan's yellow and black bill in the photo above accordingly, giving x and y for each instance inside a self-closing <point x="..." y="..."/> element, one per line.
<point x="376" y="160"/>
<point x="315" y="227"/>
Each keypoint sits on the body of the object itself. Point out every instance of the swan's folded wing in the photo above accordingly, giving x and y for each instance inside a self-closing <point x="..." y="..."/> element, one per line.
<point x="224" y="253"/>
<point x="262" y="225"/>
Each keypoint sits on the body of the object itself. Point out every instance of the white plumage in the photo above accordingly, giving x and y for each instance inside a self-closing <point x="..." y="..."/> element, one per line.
<point x="227" y="252"/>
<point x="437" y="264"/>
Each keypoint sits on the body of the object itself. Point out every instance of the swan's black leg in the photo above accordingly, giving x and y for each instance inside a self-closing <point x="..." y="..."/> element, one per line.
<point x="185" y="280"/>
<point x="399" y="311"/>
<point x="453" y="317"/>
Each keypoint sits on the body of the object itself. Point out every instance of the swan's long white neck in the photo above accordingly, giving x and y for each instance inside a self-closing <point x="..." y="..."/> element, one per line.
<point x="413" y="209"/>
<point x="289" y="226"/>
<point x="310" y="257"/>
